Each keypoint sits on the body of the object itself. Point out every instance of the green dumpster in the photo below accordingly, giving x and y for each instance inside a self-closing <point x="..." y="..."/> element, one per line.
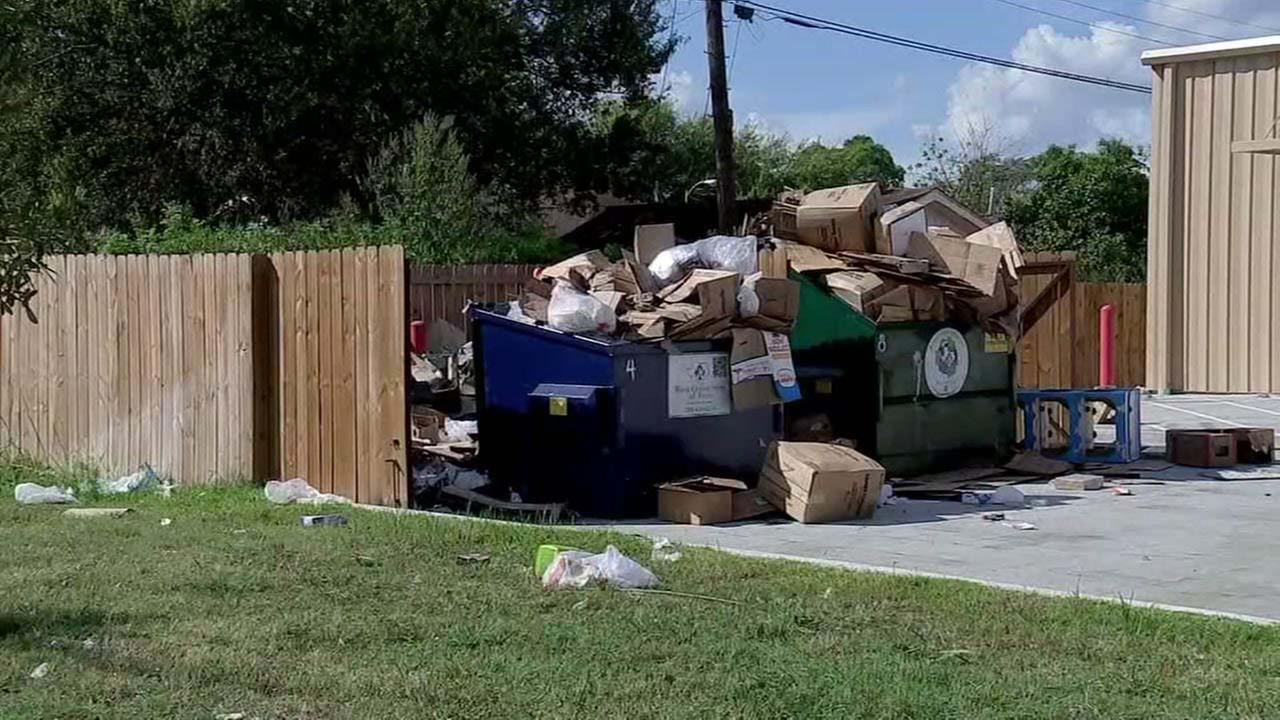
<point x="919" y="397"/>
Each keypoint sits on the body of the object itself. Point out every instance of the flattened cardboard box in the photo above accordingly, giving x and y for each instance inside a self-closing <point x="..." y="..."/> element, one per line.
<point x="976" y="264"/>
<point x="839" y="218"/>
<point x="820" y="482"/>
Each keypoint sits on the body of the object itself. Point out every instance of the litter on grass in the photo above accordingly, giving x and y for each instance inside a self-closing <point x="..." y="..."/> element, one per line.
<point x="665" y="551"/>
<point x="576" y="569"/>
<point x="33" y="494"/>
<point x="144" y="479"/>
<point x="41" y="670"/>
<point x="298" y="491"/>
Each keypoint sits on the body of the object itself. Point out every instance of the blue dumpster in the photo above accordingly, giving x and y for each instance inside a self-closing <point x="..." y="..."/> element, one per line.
<point x="598" y="422"/>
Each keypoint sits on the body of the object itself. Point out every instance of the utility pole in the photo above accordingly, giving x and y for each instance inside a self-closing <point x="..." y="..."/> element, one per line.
<point x="722" y="121"/>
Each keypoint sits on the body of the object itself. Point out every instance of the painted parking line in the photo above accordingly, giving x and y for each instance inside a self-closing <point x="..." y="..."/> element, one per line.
<point x="1250" y="407"/>
<point x="1175" y="408"/>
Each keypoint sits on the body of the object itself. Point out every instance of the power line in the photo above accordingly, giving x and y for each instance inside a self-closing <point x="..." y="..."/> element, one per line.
<point x="1142" y="20"/>
<point x="671" y="36"/>
<point x="1211" y="16"/>
<point x="1085" y="23"/>
<point x="733" y="57"/>
<point x="817" y="23"/>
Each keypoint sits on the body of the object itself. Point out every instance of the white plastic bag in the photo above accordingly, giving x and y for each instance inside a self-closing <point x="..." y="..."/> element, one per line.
<point x="718" y="252"/>
<point x="33" y="494"/>
<point x="459" y="431"/>
<point x="672" y="264"/>
<point x="144" y="479"/>
<point x="575" y="569"/>
<point x="298" y="491"/>
<point x="572" y="310"/>
<point x="748" y="299"/>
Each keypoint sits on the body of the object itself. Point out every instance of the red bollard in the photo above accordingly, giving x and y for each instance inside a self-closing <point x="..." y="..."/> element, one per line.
<point x="1106" y="346"/>
<point x="418" y="337"/>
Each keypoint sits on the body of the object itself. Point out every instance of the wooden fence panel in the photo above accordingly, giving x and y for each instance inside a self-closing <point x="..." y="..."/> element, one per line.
<point x="118" y="371"/>
<point x="1054" y="354"/>
<point x="439" y="292"/>
<point x="342" y="372"/>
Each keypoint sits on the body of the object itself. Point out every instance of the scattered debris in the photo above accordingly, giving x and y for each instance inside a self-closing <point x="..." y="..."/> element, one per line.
<point x="1033" y="463"/>
<point x="708" y="500"/>
<point x="886" y="496"/>
<point x="33" y="494"/>
<point x="298" y="491"/>
<point x="993" y="516"/>
<point x="1077" y="482"/>
<point x="1271" y="472"/>
<point x="324" y="520"/>
<point x="541" y="512"/>
<point x="1124" y="491"/>
<point x="89" y="645"/>
<point x="826" y="594"/>
<point x="544" y="556"/>
<point x="144" y="479"/>
<point x="665" y="551"/>
<point x="230" y="716"/>
<point x="41" y="670"/>
<point x="95" y="512"/>
<point x="473" y="559"/>
<point x="1008" y="496"/>
<point x="576" y="569"/>
<point x="1021" y="525"/>
<point x="580" y="605"/>
<point x="165" y="522"/>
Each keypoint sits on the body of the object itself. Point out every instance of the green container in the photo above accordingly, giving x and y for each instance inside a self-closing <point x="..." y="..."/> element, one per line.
<point x="545" y="555"/>
<point x="873" y="382"/>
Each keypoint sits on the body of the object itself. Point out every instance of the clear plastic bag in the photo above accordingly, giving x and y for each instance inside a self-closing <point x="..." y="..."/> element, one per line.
<point x="572" y="310"/>
<point x="748" y="299"/>
<point x="576" y="569"/>
<point x="298" y="491"/>
<point x="33" y="494"/>
<point x="718" y="252"/>
<point x="144" y="479"/>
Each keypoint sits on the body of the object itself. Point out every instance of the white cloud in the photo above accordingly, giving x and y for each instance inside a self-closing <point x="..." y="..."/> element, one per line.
<point x="680" y="88"/>
<point x="1035" y="110"/>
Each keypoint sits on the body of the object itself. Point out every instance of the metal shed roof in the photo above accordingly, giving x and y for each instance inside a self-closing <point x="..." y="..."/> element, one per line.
<point x="1211" y="51"/>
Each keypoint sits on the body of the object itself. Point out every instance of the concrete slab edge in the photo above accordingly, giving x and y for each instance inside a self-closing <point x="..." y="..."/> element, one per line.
<point x="860" y="567"/>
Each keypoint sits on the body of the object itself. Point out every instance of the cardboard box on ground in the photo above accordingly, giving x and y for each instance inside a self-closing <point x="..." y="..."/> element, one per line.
<point x="821" y="482"/>
<point x="709" y="500"/>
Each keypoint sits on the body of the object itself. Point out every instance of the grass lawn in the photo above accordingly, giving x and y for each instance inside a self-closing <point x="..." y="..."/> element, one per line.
<point x="233" y="607"/>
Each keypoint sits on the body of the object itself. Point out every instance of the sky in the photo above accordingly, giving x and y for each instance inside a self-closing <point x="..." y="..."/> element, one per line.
<point x="814" y="84"/>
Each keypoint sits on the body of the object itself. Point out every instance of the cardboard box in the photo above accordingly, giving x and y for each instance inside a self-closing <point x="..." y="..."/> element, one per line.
<point x="1000" y="236"/>
<point x="838" y="218"/>
<point x="761" y="369"/>
<point x="804" y="258"/>
<point x="773" y="261"/>
<point x="856" y="288"/>
<point x="908" y="303"/>
<point x="779" y="300"/>
<point x="933" y="210"/>
<point x="1201" y="448"/>
<point x="653" y="239"/>
<point x="1254" y="446"/>
<point x="978" y="265"/>
<point x="820" y="482"/>
<point x="695" y="502"/>
<point x="709" y="500"/>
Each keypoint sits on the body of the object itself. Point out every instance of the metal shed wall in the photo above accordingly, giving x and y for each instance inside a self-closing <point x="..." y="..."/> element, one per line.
<point x="1213" y="266"/>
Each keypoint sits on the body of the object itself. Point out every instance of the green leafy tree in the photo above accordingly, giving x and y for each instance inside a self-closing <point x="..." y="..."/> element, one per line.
<point x="976" y="169"/>
<point x="241" y="108"/>
<point x="1093" y="203"/>
<point x="655" y="154"/>
<point x="860" y="159"/>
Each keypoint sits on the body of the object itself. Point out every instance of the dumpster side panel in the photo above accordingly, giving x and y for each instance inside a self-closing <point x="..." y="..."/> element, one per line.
<point x="918" y="432"/>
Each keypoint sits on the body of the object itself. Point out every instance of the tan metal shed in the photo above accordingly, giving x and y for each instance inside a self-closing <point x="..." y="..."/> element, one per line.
<point x="1213" y="258"/>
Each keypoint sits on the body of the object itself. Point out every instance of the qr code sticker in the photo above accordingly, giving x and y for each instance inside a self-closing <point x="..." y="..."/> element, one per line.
<point x="720" y="366"/>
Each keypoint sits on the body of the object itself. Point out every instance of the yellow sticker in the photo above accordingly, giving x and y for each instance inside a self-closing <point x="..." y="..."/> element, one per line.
<point x="822" y="386"/>
<point x="995" y="342"/>
<point x="560" y="406"/>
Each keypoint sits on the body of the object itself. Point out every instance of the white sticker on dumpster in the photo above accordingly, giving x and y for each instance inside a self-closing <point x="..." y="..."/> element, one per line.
<point x="698" y="385"/>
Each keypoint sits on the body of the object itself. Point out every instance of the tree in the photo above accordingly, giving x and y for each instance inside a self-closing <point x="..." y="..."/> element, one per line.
<point x="654" y="154"/>
<point x="977" y="169"/>
<point x="1093" y="203"/>
<point x="276" y="107"/>
<point x="860" y="159"/>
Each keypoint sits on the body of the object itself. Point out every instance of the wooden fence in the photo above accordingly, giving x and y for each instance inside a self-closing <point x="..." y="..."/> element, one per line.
<point x="439" y="292"/>
<point x="1061" y="349"/>
<point x="134" y="359"/>
<point x="341" y="371"/>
